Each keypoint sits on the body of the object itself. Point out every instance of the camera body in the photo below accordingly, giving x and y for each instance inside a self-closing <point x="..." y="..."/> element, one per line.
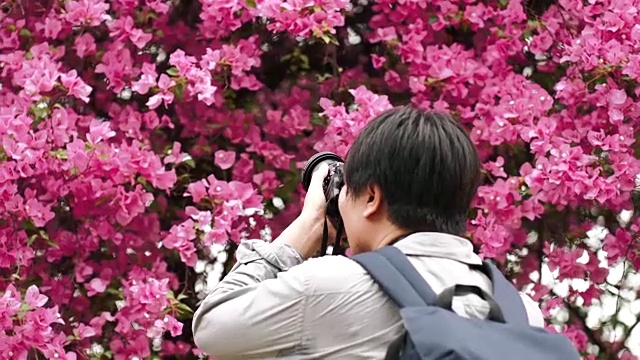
<point x="332" y="183"/>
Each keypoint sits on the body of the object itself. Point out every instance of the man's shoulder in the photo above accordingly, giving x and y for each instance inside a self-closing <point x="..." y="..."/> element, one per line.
<point x="331" y="266"/>
<point x="334" y="274"/>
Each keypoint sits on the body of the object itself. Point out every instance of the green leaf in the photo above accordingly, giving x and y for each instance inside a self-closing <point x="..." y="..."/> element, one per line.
<point x="48" y="240"/>
<point x="104" y="200"/>
<point x="24" y="307"/>
<point x="173" y="71"/>
<point x="431" y="81"/>
<point x="59" y="154"/>
<point x="117" y="292"/>
<point x="141" y="179"/>
<point x="39" y="111"/>
<point x="316" y="119"/>
<point x="154" y="207"/>
<point x="329" y="39"/>
<point x="251" y="3"/>
<point x="178" y="90"/>
<point x="183" y="311"/>
<point x="190" y="163"/>
<point x="28" y="225"/>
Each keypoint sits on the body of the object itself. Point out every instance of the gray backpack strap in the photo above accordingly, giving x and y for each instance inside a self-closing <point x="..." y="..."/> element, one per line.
<point x="506" y="295"/>
<point x="397" y="277"/>
<point x="400" y="280"/>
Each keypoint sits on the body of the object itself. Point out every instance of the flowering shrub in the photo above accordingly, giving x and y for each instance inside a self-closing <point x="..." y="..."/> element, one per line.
<point x="138" y="135"/>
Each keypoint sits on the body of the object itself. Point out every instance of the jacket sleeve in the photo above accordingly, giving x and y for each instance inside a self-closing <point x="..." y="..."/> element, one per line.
<point x="257" y="310"/>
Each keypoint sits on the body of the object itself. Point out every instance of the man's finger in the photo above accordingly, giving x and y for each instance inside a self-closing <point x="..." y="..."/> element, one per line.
<point x="318" y="176"/>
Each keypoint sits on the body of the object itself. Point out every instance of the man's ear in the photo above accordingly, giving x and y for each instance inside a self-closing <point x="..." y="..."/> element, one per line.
<point x="374" y="201"/>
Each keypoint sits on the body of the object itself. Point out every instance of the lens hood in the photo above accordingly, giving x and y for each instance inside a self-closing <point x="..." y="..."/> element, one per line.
<point x="313" y="162"/>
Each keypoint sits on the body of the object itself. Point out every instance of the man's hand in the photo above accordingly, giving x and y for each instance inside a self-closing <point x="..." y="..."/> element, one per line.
<point x="304" y="234"/>
<point x="315" y="203"/>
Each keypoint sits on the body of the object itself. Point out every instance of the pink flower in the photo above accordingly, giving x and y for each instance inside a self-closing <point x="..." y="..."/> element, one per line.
<point x="34" y="298"/>
<point x="51" y="27"/>
<point x="244" y="168"/>
<point x="378" y="61"/>
<point x="577" y="337"/>
<point x="84" y="331"/>
<point x="76" y="86"/>
<point x="164" y="95"/>
<point x="89" y="12"/>
<point x="147" y="79"/>
<point x="617" y="97"/>
<point x="117" y="66"/>
<point x="197" y="190"/>
<point x="215" y="236"/>
<point x="96" y="286"/>
<point x="123" y="28"/>
<point x="85" y="45"/>
<point x="99" y="131"/>
<point x="224" y="159"/>
<point x="496" y="168"/>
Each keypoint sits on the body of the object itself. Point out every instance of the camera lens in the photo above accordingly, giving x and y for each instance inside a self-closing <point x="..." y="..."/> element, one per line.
<point x="313" y="163"/>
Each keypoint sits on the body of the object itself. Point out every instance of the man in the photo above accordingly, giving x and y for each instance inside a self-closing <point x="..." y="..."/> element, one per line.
<point x="410" y="177"/>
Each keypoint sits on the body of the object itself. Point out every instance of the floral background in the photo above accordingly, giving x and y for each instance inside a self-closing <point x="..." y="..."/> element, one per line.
<point x="141" y="140"/>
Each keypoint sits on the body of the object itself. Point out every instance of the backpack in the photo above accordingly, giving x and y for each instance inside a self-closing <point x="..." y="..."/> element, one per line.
<point x="435" y="332"/>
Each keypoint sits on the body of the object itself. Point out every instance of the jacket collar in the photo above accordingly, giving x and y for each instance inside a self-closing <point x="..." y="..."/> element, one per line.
<point x="432" y="244"/>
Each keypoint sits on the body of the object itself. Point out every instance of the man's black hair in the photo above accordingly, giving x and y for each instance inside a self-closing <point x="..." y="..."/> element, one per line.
<point x="425" y="165"/>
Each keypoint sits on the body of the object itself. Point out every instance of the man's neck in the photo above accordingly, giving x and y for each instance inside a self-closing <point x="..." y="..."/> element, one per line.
<point x="389" y="237"/>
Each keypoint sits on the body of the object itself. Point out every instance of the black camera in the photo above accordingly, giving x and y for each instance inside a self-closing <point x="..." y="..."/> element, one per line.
<point x="331" y="185"/>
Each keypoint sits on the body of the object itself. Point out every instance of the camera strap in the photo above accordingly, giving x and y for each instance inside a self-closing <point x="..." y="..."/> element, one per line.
<point x="325" y="238"/>
<point x="337" y="243"/>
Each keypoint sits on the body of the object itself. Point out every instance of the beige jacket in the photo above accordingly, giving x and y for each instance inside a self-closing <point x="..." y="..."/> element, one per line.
<point x="272" y="305"/>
